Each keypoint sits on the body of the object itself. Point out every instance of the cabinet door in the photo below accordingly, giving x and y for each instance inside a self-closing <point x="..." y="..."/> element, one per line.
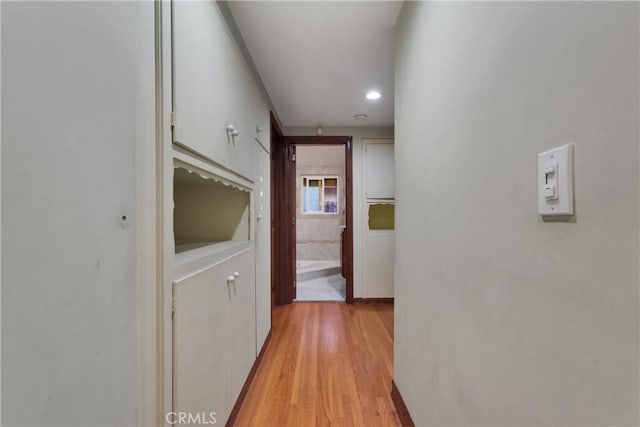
<point x="262" y="202"/>
<point x="213" y="87"/>
<point x="380" y="171"/>
<point x="379" y="263"/>
<point x="379" y="217"/>
<point x="263" y="127"/>
<point x="201" y="357"/>
<point x="243" y="321"/>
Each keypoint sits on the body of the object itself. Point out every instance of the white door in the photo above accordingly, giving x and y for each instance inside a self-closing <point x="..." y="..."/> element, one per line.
<point x="378" y="212"/>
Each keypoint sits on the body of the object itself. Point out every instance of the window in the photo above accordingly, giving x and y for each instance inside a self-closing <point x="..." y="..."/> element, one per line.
<point x="319" y="195"/>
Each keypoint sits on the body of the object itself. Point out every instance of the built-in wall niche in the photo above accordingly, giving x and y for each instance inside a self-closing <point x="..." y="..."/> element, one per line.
<point x="208" y="210"/>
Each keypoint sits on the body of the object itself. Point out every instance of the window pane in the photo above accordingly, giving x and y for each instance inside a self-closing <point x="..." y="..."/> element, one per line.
<point x="381" y="216"/>
<point x="330" y="200"/>
<point x="331" y="182"/>
<point x="313" y="199"/>
<point x="304" y="197"/>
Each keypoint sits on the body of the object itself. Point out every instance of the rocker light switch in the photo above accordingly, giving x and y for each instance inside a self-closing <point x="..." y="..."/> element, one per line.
<point x="550" y="181"/>
<point x="555" y="181"/>
<point x="550" y="192"/>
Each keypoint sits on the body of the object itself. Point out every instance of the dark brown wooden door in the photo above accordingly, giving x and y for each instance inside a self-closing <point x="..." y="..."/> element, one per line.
<point x="290" y="199"/>
<point x="283" y="255"/>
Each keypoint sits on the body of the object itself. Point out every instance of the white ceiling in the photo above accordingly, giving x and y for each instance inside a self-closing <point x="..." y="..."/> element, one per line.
<point x="318" y="59"/>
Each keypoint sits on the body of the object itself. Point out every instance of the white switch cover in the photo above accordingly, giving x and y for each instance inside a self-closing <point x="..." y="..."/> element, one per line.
<point x="555" y="181"/>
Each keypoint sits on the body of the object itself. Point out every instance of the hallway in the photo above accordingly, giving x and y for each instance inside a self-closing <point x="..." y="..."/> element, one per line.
<point x="152" y="190"/>
<point x="326" y="363"/>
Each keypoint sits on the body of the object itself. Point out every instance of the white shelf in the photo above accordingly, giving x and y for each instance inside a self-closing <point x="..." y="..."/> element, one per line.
<point x="202" y="258"/>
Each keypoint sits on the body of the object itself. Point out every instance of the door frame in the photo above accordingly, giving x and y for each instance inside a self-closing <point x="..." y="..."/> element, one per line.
<point x="290" y="203"/>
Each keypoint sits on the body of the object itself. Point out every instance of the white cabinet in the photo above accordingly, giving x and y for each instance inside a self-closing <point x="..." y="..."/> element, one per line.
<point x="214" y="332"/>
<point x="379" y="170"/>
<point x="263" y="123"/>
<point x="213" y="88"/>
<point x="220" y="186"/>
<point x="200" y="327"/>
<point x="262" y="195"/>
<point x="379" y="219"/>
<point x="242" y="320"/>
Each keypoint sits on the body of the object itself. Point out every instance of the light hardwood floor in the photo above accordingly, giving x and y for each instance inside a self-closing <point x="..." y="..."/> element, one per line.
<point x="327" y="364"/>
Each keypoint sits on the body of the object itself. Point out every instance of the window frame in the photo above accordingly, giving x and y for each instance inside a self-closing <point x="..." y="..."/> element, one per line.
<point x="304" y="195"/>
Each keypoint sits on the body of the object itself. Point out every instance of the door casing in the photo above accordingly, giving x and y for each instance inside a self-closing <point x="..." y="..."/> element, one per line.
<point x="283" y="205"/>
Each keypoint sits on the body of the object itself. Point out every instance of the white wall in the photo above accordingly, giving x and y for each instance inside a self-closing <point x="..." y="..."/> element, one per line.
<point x="75" y="109"/>
<point x="358" y="133"/>
<point x="501" y="318"/>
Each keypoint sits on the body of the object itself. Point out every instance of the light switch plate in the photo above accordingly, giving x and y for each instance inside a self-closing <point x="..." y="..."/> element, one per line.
<point x="562" y="179"/>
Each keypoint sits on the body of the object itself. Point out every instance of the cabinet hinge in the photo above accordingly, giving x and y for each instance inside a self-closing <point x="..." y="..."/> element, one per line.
<point x="173" y="306"/>
<point x="173" y="119"/>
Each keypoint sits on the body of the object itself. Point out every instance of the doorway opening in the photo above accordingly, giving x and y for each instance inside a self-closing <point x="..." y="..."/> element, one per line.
<point x="312" y="222"/>
<point x="320" y="222"/>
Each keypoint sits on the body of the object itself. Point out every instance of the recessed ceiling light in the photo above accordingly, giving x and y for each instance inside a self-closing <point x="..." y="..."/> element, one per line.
<point x="373" y="94"/>
<point x="360" y="117"/>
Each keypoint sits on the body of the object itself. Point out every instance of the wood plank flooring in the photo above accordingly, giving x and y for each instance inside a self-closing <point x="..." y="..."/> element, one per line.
<point x="326" y="364"/>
